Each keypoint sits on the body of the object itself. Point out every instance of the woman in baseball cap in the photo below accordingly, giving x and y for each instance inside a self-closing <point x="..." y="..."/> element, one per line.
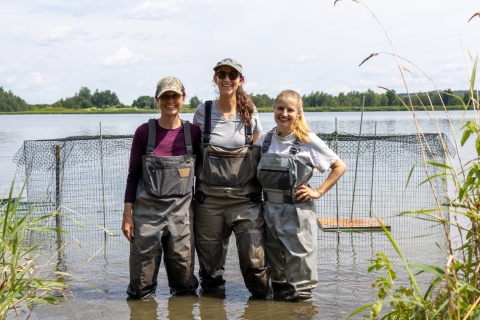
<point x="158" y="216"/>
<point x="228" y="195"/>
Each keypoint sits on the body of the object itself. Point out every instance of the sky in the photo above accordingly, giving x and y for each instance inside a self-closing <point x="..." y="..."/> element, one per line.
<point x="51" y="48"/>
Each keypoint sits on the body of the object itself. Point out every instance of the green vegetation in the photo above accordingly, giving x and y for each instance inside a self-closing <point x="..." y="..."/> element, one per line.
<point x="454" y="288"/>
<point x="22" y="281"/>
<point x="107" y="101"/>
<point x="11" y="103"/>
<point x="194" y="102"/>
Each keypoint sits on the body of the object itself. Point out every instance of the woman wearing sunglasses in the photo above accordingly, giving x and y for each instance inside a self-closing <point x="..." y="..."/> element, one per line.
<point x="290" y="153"/>
<point x="228" y="195"/>
<point x="158" y="216"/>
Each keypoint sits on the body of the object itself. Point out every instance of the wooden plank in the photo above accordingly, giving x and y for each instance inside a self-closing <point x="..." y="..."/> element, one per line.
<point x="367" y="224"/>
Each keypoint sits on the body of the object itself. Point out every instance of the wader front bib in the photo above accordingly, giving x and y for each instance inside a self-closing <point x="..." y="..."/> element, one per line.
<point x="291" y="231"/>
<point x="163" y="221"/>
<point x="228" y="199"/>
<point x="227" y="171"/>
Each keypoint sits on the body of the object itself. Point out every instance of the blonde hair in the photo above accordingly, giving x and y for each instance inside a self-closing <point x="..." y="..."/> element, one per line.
<point x="300" y="129"/>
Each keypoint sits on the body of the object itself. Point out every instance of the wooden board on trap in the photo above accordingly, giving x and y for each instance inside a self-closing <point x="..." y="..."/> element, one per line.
<point x="366" y="224"/>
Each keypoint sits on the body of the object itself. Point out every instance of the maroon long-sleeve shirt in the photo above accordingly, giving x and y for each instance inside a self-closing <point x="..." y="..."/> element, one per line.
<point x="168" y="142"/>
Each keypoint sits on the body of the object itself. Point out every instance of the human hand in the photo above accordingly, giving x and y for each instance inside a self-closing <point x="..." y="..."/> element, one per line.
<point x="305" y="193"/>
<point x="127" y="226"/>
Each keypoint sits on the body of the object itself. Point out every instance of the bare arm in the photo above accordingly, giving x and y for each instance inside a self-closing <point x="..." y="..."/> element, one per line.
<point x="304" y="193"/>
<point x="127" y="222"/>
<point x="255" y="137"/>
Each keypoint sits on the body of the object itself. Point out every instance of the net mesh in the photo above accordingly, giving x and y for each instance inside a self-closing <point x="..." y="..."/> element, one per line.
<point x="86" y="175"/>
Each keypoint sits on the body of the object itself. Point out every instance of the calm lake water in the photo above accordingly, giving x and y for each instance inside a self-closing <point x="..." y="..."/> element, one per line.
<point x="343" y="258"/>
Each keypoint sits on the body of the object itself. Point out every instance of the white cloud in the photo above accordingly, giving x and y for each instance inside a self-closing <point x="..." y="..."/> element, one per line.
<point x="55" y="36"/>
<point x="11" y="79"/>
<point x="38" y="78"/>
<point x="305" y="58"/>
<point x="122" y="57"/>
<point x="152" y="10"/>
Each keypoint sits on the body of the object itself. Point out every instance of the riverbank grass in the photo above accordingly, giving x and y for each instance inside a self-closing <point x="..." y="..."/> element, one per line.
<point x="23" y="281"/>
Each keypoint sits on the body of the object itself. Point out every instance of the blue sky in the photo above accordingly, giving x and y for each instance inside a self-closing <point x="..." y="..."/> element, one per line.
<point x="51" y="48"/>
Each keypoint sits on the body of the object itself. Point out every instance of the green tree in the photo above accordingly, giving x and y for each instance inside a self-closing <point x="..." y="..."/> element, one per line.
<point x="10" y="102"/>
<point x="103" y="99"/>
<point x="144" y="102"/>
<point x="85" y="93"/>
<point x="194" y="102"/>
<point x="262" y="100"/>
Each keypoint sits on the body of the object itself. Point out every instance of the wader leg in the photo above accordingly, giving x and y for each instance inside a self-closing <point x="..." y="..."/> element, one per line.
<point x="299" y="237"/>
<point x="145" y="253"/>
<point x="275" y="256"/>
<point x="247" y="221"/>
<point x="179" y="257"/>
<point x="211" y="241"/>
<point x="251" y="256"/>
<point x="143" y="273"/>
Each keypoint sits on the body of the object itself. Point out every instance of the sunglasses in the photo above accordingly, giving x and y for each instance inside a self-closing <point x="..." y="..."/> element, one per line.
<point x="166" y="97"/>
<point x="232" y="75"/>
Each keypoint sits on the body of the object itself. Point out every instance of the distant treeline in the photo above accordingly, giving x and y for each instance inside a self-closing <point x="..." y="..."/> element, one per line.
<point x="372" y="99"/>
<point x="85" y="99"/>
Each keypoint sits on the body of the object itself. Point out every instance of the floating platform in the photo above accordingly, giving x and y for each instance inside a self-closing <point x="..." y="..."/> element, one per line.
<point x="352" y="225"/>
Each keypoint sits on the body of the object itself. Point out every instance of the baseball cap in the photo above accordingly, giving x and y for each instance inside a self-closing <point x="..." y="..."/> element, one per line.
<point x="229" y="62"/>
<point x="169" y="84"/>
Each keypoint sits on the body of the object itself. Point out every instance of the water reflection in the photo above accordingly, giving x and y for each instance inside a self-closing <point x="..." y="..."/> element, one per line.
<point x="256" y="309"/>
<point x="142" y="309"/>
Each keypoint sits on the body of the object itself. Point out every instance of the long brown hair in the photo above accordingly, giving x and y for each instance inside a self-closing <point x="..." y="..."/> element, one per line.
<point x="245" y="106"/>
<point x="300" y="129"/>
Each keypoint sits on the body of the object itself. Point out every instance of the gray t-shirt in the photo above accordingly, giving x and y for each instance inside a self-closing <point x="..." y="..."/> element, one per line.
<point x="228" y="133"/>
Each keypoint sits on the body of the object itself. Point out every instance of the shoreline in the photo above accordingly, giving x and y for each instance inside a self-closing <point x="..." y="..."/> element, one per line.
<point x="51" y="110"/>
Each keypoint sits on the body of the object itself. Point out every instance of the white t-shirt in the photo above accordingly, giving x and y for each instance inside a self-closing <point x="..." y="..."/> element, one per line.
<point x="316" y="153"/>
<point x="228" y="133"/>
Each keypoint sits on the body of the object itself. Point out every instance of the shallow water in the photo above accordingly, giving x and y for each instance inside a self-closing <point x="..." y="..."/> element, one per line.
<point x="103" y="262"/>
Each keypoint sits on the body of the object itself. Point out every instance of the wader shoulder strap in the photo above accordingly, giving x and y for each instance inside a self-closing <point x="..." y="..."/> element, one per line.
<point x="208" y="122"/>
<point x="188" y="137"/>
<point x="248" y="135"/>
<point x="268" y="140"/>
<point x="296" y="146"/>
<point x="152" y="132"/>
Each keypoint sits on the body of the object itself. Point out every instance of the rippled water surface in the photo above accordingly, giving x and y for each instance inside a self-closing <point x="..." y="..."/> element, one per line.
<point x="103" y="262"/>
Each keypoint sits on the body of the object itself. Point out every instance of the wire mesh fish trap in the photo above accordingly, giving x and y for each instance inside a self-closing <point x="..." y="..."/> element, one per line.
<point x="86" y="177"/>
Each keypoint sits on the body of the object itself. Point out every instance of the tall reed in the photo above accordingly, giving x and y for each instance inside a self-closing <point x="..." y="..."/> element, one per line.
<point x="23" y="281"/>
<point x="454" y="291"/>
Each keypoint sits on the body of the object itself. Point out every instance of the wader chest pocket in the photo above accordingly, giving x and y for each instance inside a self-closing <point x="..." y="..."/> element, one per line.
<point x="227" y="169"/>
<point x="161" y="181"/>
<point x="279" y="179"/>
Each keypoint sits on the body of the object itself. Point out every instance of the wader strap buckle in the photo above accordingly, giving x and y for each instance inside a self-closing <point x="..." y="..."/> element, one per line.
<point x="199" y="197"/>
<point x="151" y="136"/>
<point x="248" y="135"/>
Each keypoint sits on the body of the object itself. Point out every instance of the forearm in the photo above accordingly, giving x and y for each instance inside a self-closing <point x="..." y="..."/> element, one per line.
<point x="338" y="169"/>
<point x="127" y="209"/>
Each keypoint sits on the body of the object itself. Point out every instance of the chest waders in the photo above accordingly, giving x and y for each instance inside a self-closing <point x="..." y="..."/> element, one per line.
<point x="228" y="198"/>
<point x="291" y="230"/>
<point x="163" y="221"/>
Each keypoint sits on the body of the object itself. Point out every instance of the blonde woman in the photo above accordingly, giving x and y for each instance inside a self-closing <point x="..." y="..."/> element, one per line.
<point x="290" y="153"/>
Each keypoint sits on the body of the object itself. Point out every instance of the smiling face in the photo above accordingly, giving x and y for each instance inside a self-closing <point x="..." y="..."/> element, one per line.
<point x="286" y="112"/>
<point x="170" y="103"/>
<point x="226" y="86"/>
